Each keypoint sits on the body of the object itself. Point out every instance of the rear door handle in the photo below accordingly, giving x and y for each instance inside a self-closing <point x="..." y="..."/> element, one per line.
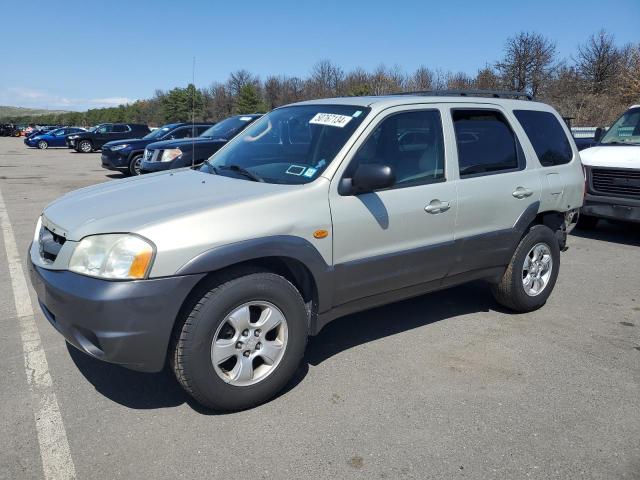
<point x="522" y="192"/>
<point x="436" y="206"/>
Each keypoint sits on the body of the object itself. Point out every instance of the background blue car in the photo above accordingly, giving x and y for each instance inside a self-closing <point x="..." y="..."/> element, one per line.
<point x="54" y="138"/>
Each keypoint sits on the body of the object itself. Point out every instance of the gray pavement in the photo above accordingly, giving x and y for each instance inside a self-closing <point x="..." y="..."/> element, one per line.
<point x="448" y="385"/>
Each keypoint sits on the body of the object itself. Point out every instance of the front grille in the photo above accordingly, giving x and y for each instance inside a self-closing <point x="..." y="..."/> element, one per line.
<point x="617" y="182"/>
<point x="50" y="244"/>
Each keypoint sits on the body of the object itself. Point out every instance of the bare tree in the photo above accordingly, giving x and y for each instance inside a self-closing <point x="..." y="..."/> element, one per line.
<point x="325" y="80"/>
<point x="487" y="79"/>
<point x="599" y="61"/>
<point x="528" y="63"/>
<point x="421" y="79"/>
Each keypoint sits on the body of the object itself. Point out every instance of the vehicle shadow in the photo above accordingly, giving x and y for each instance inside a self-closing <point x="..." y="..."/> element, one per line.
<point x="623" y="233"/>
<point x="116" y="175"/>
<point x="139" y="390"/>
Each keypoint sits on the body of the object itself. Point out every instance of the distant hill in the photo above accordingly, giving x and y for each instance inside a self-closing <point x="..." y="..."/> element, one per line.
<point x="24" y="112"/>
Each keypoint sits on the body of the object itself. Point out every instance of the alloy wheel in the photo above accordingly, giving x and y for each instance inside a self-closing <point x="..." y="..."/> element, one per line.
<point x="250" y="343"/>
<point x="537" y="268"/>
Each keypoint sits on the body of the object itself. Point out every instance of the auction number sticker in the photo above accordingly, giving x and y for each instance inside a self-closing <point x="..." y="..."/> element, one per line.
<point x="330" y="119"/>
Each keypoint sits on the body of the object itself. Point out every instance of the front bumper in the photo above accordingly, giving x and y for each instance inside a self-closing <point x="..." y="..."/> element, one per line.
<point x="70" y="143"/>
<point x="117" y="160"/>
<point x="29" y="143"/>
<point x="128" y="323"/>
<point x="612" y="208"/>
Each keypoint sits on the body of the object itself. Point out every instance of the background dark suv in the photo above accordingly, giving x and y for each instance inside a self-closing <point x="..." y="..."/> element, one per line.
<point x="94" y="139"/>
<point x="170" y="154"/>
<point x="126" y="155"/>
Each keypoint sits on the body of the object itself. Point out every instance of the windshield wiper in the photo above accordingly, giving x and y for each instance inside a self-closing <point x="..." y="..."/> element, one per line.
<point x="211" y="166"/>
<point x="243" y="171"/>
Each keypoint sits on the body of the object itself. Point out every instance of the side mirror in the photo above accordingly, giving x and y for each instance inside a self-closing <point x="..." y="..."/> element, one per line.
<point x="368" y="178"/>
<point x="597" y="136"/>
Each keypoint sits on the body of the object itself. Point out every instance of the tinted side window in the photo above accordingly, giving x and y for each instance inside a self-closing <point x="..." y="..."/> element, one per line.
<point x="120" y="128"/>
<point x="410" y="143"/>
<point x="181" y="133"/>
<point x="547" y="137"/>
<point x="486" y="143"/>
<point x="200" y="130"/>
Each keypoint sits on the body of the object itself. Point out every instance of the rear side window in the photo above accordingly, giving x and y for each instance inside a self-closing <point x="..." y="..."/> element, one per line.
<point x="120" y="128"/>
<point x="486" y="143"/>
<point x="547" y="137"/>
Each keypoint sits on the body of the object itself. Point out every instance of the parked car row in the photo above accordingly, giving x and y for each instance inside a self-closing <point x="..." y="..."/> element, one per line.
<point x="50" y="138"/>
<point x="134" y="148"/>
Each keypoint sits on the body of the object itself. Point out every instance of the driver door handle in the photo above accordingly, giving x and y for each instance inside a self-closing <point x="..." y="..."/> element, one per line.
<point x="436" y="206"/>
<point x="522" y="192"/>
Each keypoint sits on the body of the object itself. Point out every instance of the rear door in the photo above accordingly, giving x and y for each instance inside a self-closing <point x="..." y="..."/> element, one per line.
<point x="562" y="180"/>
<point x="102" y="135"/>
<point x="120" y="132"/>
<point x="401" y="236"/>
<point x="496" y="186"/>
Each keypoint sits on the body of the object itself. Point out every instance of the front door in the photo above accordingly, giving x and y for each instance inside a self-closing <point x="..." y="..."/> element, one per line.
<point x="400" y="236"/>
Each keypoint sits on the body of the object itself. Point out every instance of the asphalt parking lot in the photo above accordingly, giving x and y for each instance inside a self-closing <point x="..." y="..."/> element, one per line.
<point x="448" y="385"/>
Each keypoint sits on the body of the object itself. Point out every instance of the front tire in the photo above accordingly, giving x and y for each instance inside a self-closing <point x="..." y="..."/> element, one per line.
<point x="43" y="145"/>
<point x="85" y="146"/>
<point x="241" y="342"/>
<point x="134" y="165"/>
<point x="532" y="272"/>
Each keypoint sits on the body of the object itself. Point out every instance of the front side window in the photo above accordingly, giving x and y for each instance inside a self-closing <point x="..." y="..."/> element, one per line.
<point x="626" y="130"/>
<point x="181" y="133"/>
<point x="546" y="135"/>
<point x="105" y="129"/>
<point x="411" y="143"/>
<point x="290" y="145"/>
<point x="486" y="143"/>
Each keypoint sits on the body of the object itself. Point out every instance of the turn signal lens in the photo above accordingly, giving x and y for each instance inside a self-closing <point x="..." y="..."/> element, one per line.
<point x="140" y="264"/>
<point x="321" y="234"/>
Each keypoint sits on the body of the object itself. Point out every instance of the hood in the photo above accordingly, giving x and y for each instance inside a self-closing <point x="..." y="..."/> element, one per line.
<point x="166" y="144"/>
<point x="129" y="205"/>
<point x="612" y="156"/>
<point x="127" y="141"/>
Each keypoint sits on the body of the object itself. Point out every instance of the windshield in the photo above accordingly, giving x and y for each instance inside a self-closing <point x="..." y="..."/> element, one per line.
<point x="290" y="145"/>
<point x="157" y="133"/>
<point x="626" y="129"/>
<point x="227" y="128"/>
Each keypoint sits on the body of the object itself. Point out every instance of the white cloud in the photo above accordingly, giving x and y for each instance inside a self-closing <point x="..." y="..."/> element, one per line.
<point x="27" y="97"/>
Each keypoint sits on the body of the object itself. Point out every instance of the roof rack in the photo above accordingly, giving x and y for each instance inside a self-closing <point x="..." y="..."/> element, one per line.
<point x="470" y="93"/>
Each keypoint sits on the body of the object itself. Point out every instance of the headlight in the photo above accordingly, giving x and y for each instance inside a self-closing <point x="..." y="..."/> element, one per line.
<point x="36" y="234"/>
<point x="73" y="137"/>
<point x="119" y="147"/>
<point x="118" y="256"/>
<point x="170" y="154"/>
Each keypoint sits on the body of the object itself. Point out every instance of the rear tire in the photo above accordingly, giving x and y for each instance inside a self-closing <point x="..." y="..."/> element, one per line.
<point x="197" y="340"/>
<point x="526" y="284"/>
<point x="587" y="222"/>
<point x="43" y="145"/>
<point x="84" y="146"/>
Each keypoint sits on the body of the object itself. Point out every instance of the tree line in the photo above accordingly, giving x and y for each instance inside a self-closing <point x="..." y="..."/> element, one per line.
<point x="595" y="85"/>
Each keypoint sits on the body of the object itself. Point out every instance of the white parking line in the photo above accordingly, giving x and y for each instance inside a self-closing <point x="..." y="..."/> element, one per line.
<point x="52" y="437"/>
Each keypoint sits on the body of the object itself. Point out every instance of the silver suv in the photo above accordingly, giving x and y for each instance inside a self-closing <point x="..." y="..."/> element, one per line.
<point x="319" y="209"/>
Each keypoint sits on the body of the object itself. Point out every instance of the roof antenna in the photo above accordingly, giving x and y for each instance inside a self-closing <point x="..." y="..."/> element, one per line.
<point x="193" y="113"/>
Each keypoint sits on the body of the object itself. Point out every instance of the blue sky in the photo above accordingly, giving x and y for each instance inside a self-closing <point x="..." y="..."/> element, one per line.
<point x="79" y="54"/>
